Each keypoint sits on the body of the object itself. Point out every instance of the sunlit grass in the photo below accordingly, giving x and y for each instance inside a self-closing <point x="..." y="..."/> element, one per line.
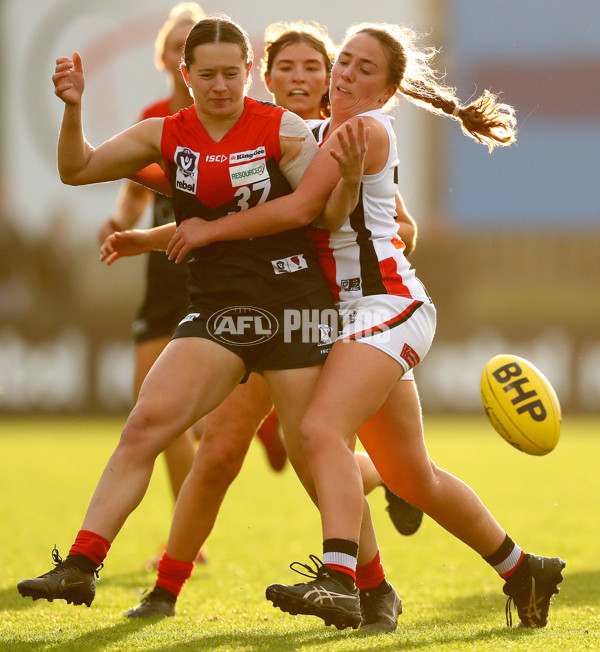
<point x="452" y="599"/>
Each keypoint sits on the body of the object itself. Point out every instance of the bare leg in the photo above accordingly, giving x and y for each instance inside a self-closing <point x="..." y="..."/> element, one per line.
<point x="180" y="453"/>
<point x="402" y="459"/>
<point x="181" y="387"/>
<point x="292" y="391"/>
<point x="228" y="431"/>
<point x="399" y="453"/>
<point x="370" y="478"/>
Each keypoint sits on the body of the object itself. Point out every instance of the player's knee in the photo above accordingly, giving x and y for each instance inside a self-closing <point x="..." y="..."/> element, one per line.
<point x="314" y="435"/>
<point x="222" y="461"/>
<point x="137" y="438"/>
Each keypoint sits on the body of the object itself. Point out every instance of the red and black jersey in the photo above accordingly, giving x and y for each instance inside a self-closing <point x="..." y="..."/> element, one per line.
<point x="163" y="206"/>
<point x="213" y="179"/>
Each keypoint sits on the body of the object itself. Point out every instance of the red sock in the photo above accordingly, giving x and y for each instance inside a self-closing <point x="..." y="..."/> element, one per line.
<point x="370" y="575"/>
<point x="269" y="428"/>
<point x="90" y="545"/>
<point x="172" y="574"/>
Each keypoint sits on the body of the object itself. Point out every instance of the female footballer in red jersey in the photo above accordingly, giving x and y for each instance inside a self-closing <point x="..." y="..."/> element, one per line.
<point x="296" y="71"/>
<point x="166" y="299"/>
<point x="224" y="153"/>
<point x="388" y="325"/>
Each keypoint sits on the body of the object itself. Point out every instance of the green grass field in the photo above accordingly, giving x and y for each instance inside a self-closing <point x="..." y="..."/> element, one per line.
<point x="452" y="599"/>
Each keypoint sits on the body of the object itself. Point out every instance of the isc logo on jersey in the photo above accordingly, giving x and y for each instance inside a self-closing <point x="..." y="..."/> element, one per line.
<point x="186" y="177"/>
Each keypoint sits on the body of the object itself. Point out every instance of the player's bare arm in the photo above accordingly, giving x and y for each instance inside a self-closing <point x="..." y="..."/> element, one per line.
<point x="123" y="155"/>
<point x="407" y="227"/>
<point x="350" y="157"/>
<point x="135" y="242"/>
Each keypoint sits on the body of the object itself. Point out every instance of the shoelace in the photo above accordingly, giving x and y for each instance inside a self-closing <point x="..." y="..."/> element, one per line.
<point x="147" y="596"/>
<point x="311" y="573"/>
<point x="509" y="603"/>
<point x="57" y="560"/>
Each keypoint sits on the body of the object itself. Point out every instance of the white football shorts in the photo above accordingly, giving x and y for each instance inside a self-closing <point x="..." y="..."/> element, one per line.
<point x="403" y="328"/>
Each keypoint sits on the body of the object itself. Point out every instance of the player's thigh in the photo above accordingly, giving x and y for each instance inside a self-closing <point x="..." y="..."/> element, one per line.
<point x="242" y="412"/>
<point x="190" y="378"/>
<point x="146" y="353"/>
<point x="355" y="382"/>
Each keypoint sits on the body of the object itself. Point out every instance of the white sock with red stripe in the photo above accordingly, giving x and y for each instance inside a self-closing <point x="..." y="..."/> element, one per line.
<point x="506" y="559"/>
<point x="341" y="556"/>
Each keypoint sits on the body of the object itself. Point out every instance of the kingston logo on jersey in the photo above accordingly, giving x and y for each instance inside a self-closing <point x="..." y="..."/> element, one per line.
<point x="249" y="155"/>
<point x="288" y="265"/>
<point x="247" y="173"/>
<point x="186" y="177"/>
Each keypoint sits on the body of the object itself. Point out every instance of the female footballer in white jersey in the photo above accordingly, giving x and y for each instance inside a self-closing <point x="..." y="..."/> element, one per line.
<point x="389" y="323"/>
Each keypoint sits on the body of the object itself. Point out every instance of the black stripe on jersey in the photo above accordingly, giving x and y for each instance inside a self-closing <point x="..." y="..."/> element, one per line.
<point x="266" y="103"/>
<point x="372" y="282"/>
<point x="388" y="325"/>
<point x="315" y="132"/>
<point x="396" y="175"/>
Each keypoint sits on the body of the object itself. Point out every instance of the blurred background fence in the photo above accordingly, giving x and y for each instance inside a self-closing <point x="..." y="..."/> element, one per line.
<point x="509" y="244"/>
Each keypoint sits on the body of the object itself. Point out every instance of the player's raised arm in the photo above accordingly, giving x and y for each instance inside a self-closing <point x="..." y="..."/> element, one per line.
<point x="123" y="155"/>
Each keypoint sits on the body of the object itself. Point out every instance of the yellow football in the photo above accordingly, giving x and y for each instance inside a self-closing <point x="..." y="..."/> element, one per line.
<point x="521" y="404"/>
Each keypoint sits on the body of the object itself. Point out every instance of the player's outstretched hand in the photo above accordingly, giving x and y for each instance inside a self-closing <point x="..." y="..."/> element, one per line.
<point x="190" y="234"/>
<point x="68" y="79"/>
<point x="353" y="145"/>
<point x="108" y="227"/>
<point x="125" y="243"/>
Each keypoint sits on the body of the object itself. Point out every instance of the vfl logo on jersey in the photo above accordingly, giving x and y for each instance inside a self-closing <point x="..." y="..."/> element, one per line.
<point x="288" y="265"/>
<point x="350" y="284"/>
<point x="249" y="155"/>
<point x="244" y="175"/>
<point x="186" y="177"/>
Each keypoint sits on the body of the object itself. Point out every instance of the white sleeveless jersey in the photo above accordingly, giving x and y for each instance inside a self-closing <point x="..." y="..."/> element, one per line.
<point x="365" y="256"/>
